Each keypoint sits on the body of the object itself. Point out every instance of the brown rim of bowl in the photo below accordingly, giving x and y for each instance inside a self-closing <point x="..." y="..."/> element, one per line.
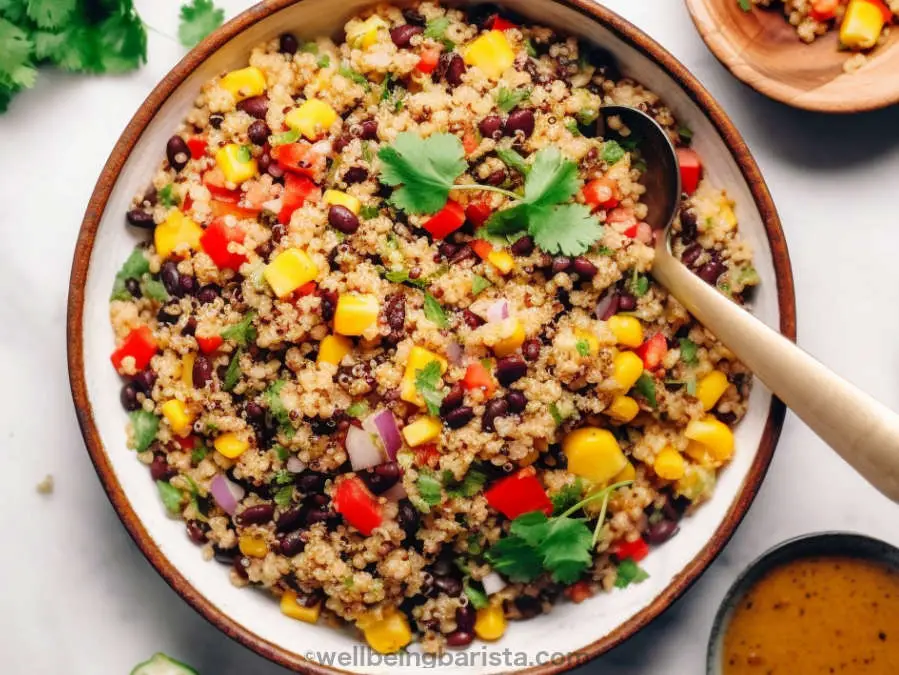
<point x="630" y="35"/>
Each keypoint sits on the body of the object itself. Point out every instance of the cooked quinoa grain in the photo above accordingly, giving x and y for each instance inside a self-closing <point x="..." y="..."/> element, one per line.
<point x="393" y="351"/>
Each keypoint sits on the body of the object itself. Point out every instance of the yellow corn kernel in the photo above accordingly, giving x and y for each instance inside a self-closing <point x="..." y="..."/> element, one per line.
<point x="421" y="431"/>
<point x="365" y="34"/>
<point x="593" y="453"/>
<point x="419" y="357"/>
<point x="289" y="270"/>
<point x="290" y="607"/>
<point x="727" y="213"/>
<point x="338" y="198"/>
<point x="591" y="340"/>
<point x="623" y="408"/>
<point x="254" y="547"/>
<point x="714" y="434"/>
<point x="312" y="119"/>
<point x="491" y="53"/>
<point x="178" y="416"/>
<point x="490" y="623"/>
<point x="699" y="453"/>
<point x="862" y="25"/>
<point x="669" y="464"/>
<point x="231" y="445"/>
<point x="502" y="261"/>
<point x="387" y="635"/>
<point x="187" y="369"/>
<point x="509" y="345"/>
<point x="177" y="233"/>
<point x="333" y="348"/>
<point x="710" y="388"/>
<point x="236" y="163"/>
<point x="627" y="330"/>
<point x="627" y="473"/>
<point x="244" y="83"/>
<point x="355" y="313"/>
<point x="627" y="368"/>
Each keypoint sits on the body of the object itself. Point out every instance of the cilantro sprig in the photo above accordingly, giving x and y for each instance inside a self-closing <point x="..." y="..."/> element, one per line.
<point x="427" y="381"/>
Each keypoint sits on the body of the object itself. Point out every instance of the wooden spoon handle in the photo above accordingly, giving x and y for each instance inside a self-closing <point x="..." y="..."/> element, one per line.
<point x="861" y="430"/>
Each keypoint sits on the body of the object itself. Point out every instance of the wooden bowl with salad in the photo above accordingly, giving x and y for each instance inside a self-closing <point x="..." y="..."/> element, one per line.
<point x="833" y="56"/>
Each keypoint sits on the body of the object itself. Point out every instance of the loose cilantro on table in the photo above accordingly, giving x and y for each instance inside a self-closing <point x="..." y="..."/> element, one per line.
<point x="688" y="351"/>
<point x="198" y="19"/>
<point x="478" y="284"/>
<point x="434" y="312"/>
<point x="171" y="496"/>
<point x="629" y="573"/>
<point x="646" y="387"/>
<point x="507" y="99"/>
<point x="427" y="382"/>
<point x="243" y="333"/>
<point x="145" y="425"/>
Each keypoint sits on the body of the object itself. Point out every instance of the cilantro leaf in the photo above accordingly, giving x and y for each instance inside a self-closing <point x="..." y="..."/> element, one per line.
<point x="470" y="485"/>
<point x="583" y="347"/>
<point x="144" y="425"/>
<point x="133" y="268"/>
<point x="402" y="277"/>
<point x="284" y="495"/>
<point x="170" y="496"/>
<point x="50" y="13"/>
<point x="436" y="30"/>
<point x="566" y="549"/>
<point x="198" y="19"/>
<point x="612" y="152"/>
<point x="434" y="312"/>
<point x="556" y="414"/>
<point x="243" y="332"/>
<point x="277" y="408"/>
<point x="638" y="284"/>
<point x="531" y="527"/>
<point x="232" y="374"/>
<point x="685" y="133"/>
<point x="167" y="195"/>
<point x="478" y="284"/>
<point x="425" y="168"/>
<point x="354" y="76"/>
<point x="199" y="453"/>
<point x="14" y="10"/>
<point x="369" y="211"/>
<point x="569" y="229"/>
<point x="646" y="387"/>
<point x="16" y="69"/>
<point x="507" y="99"/>
<point x="552" y="179"/>
<point x="476" y="596"/>
<point x="567" y="497"/>
<point x="429" y="488"/>
<point x="629" y="573"/>
<point x="688" y="350"/>
<point x="426" y="381"/>
<point x="514" y="558"/>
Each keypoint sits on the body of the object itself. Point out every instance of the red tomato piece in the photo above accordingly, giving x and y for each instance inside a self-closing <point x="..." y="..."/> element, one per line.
<point x="197" y="146"/>
<point x="427" y="60"/>
<point x="214" y="180"/>
<point x="427" y="455"/>
<point x="297" y="189"/>
<point x="482" y="248"/>
<point x="478" y="377"/>
<point x="359" y="507"/>
<point x="478" y="212"/>
<point x="602" y="193"/>
<point x="188" y="443"/>
<point x="139" y="345"/>
<point x="519" y="493"/>
<point x="690" y="169"/>
<point x="306" y="289"/>
<point x="499" y="23"/>
<point x="449" y="219"/>
<point x="209" y="344"/>
<point x="215" y="241"/>
<point x="635" y="550"/>
<point x="299" y="158"/>
<point x="631" y="231"/>
<point x="652" y="351"/>
<point x="221" y="209"/>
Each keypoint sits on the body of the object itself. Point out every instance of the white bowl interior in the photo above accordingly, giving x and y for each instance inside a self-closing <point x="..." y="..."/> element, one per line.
<point x="569" y="627"/>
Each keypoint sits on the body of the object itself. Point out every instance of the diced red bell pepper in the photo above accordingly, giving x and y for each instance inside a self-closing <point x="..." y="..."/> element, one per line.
<point x="215" y="240"/>
<point x="214" y="180"/>
<point x="427" y="455"/>
<point x="449" y="219"/>
<point x="602" y="193"/>
<point x="138" y="344"/>
<point x="209" y="344"/>
<point x="690" y="169"/>
<point x="482" y="248"/>
<point x="578" y="592"/>
<point x="499" y="23"/>
<point x="631" y="231"/>
<point x="297" y="189"/>
<point x="470" y="142"/>
<point x="359" y="507"/>
<point x="519" y="493"/>
<point x="197" y="146"/>
<point x="823" y="10"/>
<point x="221" y="209"/>
<point x="478" y="377"/>
<point x="256" y="193"/>
<point x="299" y="158"/>
<point x="306" y="289"/>
<point x="427" y="60"/>
<point x="652" y="351"/>
<point x="188" y="443"/>
<point x="884" y="10"/>
<point x="478" y="212"/>
<point x="634" y="550"/>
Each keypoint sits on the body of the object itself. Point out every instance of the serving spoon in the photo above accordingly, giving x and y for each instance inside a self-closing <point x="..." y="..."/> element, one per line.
<point x="861" y="430"/>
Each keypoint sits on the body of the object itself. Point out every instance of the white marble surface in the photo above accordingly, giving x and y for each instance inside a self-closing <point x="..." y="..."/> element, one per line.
<point x="80" y="599"/>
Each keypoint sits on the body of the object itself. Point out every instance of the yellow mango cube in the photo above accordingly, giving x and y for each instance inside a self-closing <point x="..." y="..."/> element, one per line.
<point x="727" y="214"/>
<point x="253" y="547"/>
<point x="338" y="198"/>
<point x="627" y="368"/>
<point x="502" y="261"/>
<point x="236" y="163"/>
<point x="714" y="434"/>
<point x="289" y="270"/>
<point x="312" y="119"/>
<point x="419" y="357"/>
<point x="492" y="53"/>
<point x="669" y="464"/>
<point x="421" y="431"/>
<point x="365" y="34"/>
<point x="333" y="348"/>
<point x="593" y="453"/>
<point x="177" y="233"/>
<point x="513" y="341"/>
<point x="711" y="388"/>
<point x="388" y="634"/>
<point x="231" y="445"/>
<point x="490" y="622"/>
<point x="290" y="607"/>
<point x="623" y="408"/>
<point x="627" y="330"/>
<point x="244" y="83"/>
<point x="862" y="25"/>
<point x="355" y="313"/>
<point x="590" y="339"/>
<point x="178" y="416"/>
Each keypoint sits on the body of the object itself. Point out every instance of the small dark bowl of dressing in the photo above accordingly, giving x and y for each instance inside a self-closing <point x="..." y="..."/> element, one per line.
<point x="819" y="603"/>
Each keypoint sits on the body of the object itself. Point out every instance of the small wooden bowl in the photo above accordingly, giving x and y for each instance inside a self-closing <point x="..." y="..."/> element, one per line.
<point x="763" y="50"/>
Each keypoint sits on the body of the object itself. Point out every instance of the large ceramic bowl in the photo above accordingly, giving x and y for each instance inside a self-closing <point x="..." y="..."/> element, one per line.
<point x="252" y="618"/>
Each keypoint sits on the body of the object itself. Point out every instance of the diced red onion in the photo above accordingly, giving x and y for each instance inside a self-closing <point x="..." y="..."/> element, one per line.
<point x="454" y="353"/>
<point x="295" y="464"/>
<point x="363" y="452"/>
<point x="498" y="311"/>
<point x="383" y="423"/>
<point x="396" y="492"/>
<point x="644" y="233"/>
<point x="493" y="583"/>
<point x="226" y="493"/>
<point x="607" y="305"/>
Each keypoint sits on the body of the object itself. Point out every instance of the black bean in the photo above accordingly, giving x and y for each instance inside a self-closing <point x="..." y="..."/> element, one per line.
<point x="258" y="133"/>
<point x="455" y="69"/>
<point x="453" y="399"/>
<point x="710" y="272"/>
<point x="523" y="245"/>
<point x="255" y="515"/>
<point x="459" y="638"/>
<point x="369" y="130"/>
<point x="288" y="44"/>
<point x="528" y="606"/>
<point x="381" y="478"/>
<point x="255" y="106"/>
<point x="496" y="178"/>
<point x="144" y="381"/>
<point x="584" y="268"/>
<point x="160" y="469"/>
<point x="132" y="285"/>
<point x="328" y="303"/>
<point x="202" y="372"/>
<point x="412" y="15"/>
<point x="449" y="585"/>
<point x="310" y="483"/>
<point x="395" y="311"/>
<point x="447" y="249"/>
<point x="465" y="618"/>
<point x="177" y="152"/>
<point x="531" y="349"/>
<point x="187" y="284"/>
<point x="225" y="556"/>
<point x="292" y="544"/>
<point x="128" y="397"/>
<point x="355" y="174"/>
<point x="195" y="532"/>
<point x="626" y="302"/>
<point x="323" y="426"/>
<point x="215" y="120"/>
<point x="140" y="218"/>
<point x="208" y="293"/>
<point x="688" y="225"/>
<point x="519" y="120"/>
<point x="491" y="127"/>
<point x="517" y="401"/>
<point x="464" y="252"/>
<point x="510" y="369"/>
<point x="560" y="264"/>
<point x="168" y="314"/>
<point x="407" y="518"/>
<point x="458" y="417"/>
<point x="253" y="411"/>
<point x="290" y="520"/>
<point x="498" y="407"/>
<point x="402" y="35"/>
<point x="661" y="531"/>
<point x="471" y="319"/>
<point x="342" y="219"/>
<point x="171" y="278"/>
<point x="278" y="232"/>
<point x="691" y="254"/>
<point x="314" y="516"/>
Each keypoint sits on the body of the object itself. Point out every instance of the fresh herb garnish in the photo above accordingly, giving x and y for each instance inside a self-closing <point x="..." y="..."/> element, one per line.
<point x="354" y="76"/>
<point x="401" y="276"/>
<point x="556" y="414"/>
<point x="133" y="268"/>
<point x="470" y="485"/>
<point x="478" y="284"/>
<point x="476" y="595"/>
<point x="513" y="160"/>
<point x="587" y="116"/>
<point x="429" y="488"/>
<point x="199" y="453"/>
<point x="232" y="374"/>
<point x="171" y="496"/>
<point x="357" y="409"/>
<point x="638" y="284"/>
<point x="685" y="133"/>
<point x="145" y="425"/>
<point x="605" y="250"/>
<point x="688" y="351"/>
<point x="629" y="573"/>
<point x="281" y="452"/>
<point x="571" y="125"/>
<point x="167" y="196"/>
<point x="507" y="99"/>
<point x="243" y="333"/>
<point x="434" y="312"/>
<point x="285" y="138"/>
<point x="436" y="30"/>
<point x="748" y="276"/>
<point x="198" y="19"/>
<point x="583" y="347"/>
<point x="612" y="152"/>
<point x="155" y="290"/>
<point x="284" y="495"/>
<point x="568" y="496"/>
<point x="745" y="5"/>
<point x="323" y="61"/>
<point x="277" y="409"/>
<point x="529" y="47"/>
<point x="369" y="211"/>
<point x="426" y="383"/>
<point x="646" y="387"/>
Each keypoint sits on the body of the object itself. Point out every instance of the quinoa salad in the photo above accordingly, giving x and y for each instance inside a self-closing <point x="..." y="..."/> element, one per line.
<point x="862" y="24"/>
<point x="392" y="350"/>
